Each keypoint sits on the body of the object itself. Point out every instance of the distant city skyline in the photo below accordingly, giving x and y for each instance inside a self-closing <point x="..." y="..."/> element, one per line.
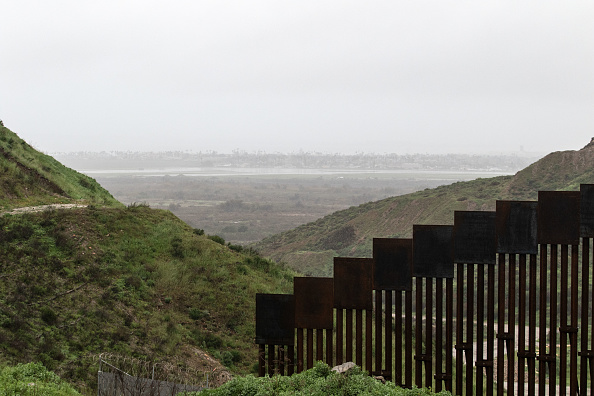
<point x="325" y="76"/>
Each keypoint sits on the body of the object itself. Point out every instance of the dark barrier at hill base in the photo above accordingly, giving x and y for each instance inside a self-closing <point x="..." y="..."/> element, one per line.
<point x="523" y="297"/>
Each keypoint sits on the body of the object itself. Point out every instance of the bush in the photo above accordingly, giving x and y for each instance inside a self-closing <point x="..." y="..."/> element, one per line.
<point x="318" y="381"/>
<point x="216" y="239"/>
<point x="229" y="358"/>
<point x="177" y="249"/>
<point x="33" y="379"/>
<point x="237" y="248"/>
<point x="48" y="315"/>
<point x="197" y="314"/>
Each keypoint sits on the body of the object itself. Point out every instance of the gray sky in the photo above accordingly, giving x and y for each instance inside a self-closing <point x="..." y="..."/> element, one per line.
<point x="282" y="76"/>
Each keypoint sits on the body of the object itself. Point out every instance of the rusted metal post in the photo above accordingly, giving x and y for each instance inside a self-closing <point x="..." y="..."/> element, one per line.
<point x="368" y="341"/>
<point x="329" y="349"/>
<point x="584" y="353"/>
<point x="310" y="360"/>
<point x="419" y="333"/>
<point x="359" y="337"/>
<point x="291" y="360"/>
<point x="553" y="322"/>
<point x="522" y="326"/>
<point x="469" y="327"/>
<point x="388" y="334"/>
<point x="501" y="326"/>
<point x="542" y="345"/>
<point x="573" y="375"/>
<point x="319" y="344"/>
<point x="408" y="330"/>
<point x="563" y="325"/>
<point x="262" y="360"/>
<point x="586" y="233"/>
<point x="428" y="353"/>
<point x="349" y="335"/>
<point x="532" y="327"/>
<point x="449" y="334"/>
<point x="490" y="328"/>
<point x="439" y="372"/>
<point x="281" y="360"/>
<point x="511" y="326"/>
<point x="300" y="350"/>
<point x="460" y="346"/>
<point x="339" y="336"/>
<point x="398" y="338"/>
<point x="481" y="363"/>
<point x="378" y="332"/>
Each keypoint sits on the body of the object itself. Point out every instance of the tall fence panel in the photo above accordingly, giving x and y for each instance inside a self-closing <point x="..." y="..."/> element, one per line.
<point x="497" y="303"/>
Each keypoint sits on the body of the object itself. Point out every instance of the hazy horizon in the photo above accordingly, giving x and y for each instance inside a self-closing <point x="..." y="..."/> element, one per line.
<point x="328" y="76"/>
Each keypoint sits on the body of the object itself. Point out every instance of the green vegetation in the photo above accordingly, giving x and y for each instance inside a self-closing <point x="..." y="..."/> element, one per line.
<point x="311" y="247"/>
<point x="28" y="177"/>
<point x="133" y="281"/>
<point x="318" y="381"/>
<point x="33" y="379"/>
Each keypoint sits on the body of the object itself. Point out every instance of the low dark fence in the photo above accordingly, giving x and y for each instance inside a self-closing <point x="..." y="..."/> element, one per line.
<point x="141" y="379"/>
<point x="500" y="302"/>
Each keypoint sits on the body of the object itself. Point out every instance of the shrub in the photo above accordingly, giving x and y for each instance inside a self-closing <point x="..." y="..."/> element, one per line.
<point x="48" y="315"/>
<point x="33" y="379"/>
<point x="237" y="248"/>
<point x="216" y="239"/>
<point x="318" y="381"/>
<point x="177" y="249"/>
<point x="229" y="358"/>
<point x="196" y="313"/>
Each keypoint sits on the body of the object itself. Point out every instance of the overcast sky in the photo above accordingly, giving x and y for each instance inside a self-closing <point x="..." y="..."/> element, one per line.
<point x="282" y="76"/>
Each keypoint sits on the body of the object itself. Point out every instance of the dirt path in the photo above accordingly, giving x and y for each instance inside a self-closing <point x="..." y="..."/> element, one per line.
<point x="41" y="208"/>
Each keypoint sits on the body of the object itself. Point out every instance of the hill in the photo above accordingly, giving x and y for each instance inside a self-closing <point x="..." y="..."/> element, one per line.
<point x="29" y="178"/>
<point x="126" y="281"/>
<point x="311" y="247"/>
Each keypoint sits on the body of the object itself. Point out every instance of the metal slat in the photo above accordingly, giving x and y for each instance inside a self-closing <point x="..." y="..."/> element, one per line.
<point x="584" y="360"/>
<point x="388" y="334"/>
<point x="459" y="328"/>
<point x="393" y="263"/>
<point x="439" y="371"/>
<point x="522" y="355"/>
<point x="532" y="327"/>
<point x="398" y="338"/>
<point x="408" y="329"/>
<point x="419" y="333"/>
<point x="481" y="362"/>
<point x="559" y="217"/>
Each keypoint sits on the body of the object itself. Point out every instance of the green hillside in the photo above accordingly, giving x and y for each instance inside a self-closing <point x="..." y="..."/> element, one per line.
<point x="311" y="247"/>
<point x="128" y="281"/>
<point x="28" y="177"/>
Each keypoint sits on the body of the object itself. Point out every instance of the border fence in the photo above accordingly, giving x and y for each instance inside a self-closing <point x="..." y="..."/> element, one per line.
<point x="133" y="377"/>
<point x="497" y="303"/>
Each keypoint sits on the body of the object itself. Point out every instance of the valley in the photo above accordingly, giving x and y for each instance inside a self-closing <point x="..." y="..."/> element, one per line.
<point x="245" y="206"/>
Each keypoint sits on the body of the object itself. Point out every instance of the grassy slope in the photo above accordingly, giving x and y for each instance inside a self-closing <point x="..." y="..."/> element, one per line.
<point x="311" y="247"/>
<point x="133" y="281"/>
<point x="28" y="177"/>
<point x="136" y="282"/>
